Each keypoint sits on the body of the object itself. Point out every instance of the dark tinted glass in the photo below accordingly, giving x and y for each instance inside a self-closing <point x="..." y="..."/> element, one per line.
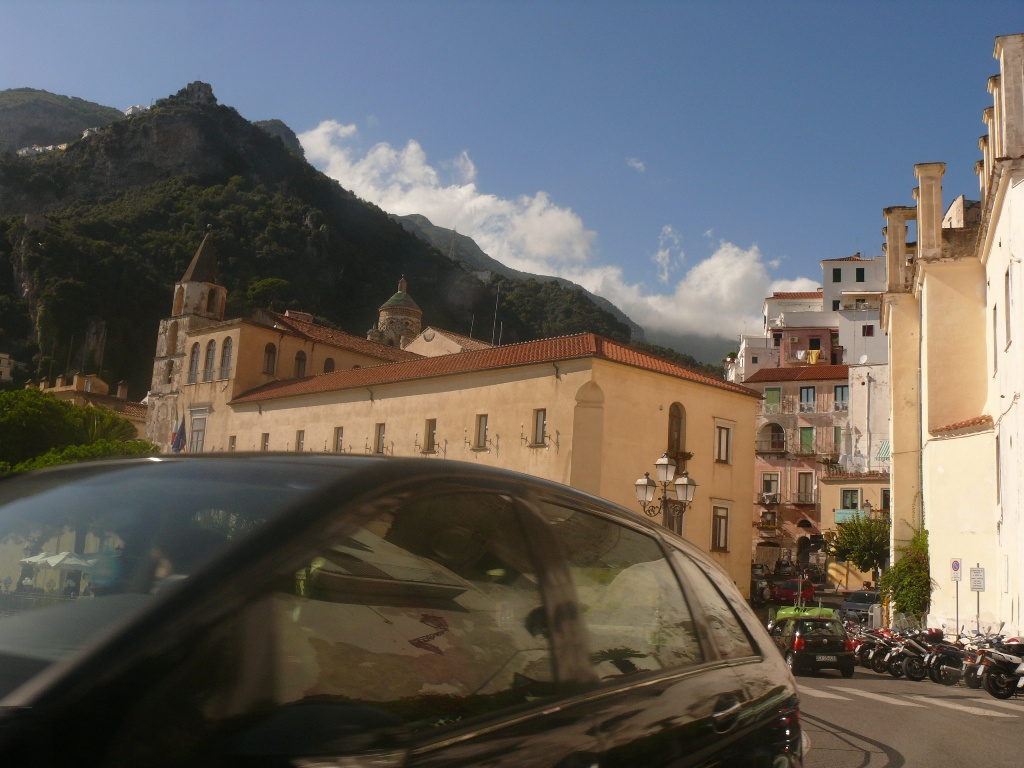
<point x="83" y="548"/>
<point x="710" y="588"/>
<point x="635" y="614"/>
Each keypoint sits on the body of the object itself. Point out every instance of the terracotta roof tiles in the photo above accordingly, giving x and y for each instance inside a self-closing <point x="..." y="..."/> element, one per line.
<point x="800" y="373"/>
<point x="797" y="294"/>
<point x="527" y="353"/>
<point x="977" y="421"/>
<point x="325" y="335"/>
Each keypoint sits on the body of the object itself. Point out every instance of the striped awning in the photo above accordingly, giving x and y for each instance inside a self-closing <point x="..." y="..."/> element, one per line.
<point x="883" y="451"/>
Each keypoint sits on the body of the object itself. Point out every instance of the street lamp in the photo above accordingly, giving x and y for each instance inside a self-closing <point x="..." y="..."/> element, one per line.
<point x="684" y="488"/>
<point x="865" y="507"/>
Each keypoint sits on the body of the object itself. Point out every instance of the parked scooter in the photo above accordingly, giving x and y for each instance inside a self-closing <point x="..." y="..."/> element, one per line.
<point x="1003" y="672"/>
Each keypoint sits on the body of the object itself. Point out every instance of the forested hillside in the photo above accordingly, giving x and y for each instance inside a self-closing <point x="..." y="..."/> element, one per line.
<point x="93" y="238"/>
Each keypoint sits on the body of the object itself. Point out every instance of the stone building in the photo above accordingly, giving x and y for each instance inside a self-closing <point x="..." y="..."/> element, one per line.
<point x="580" y="410"/>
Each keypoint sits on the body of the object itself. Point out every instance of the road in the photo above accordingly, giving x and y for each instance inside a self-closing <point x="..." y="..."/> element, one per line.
<point x="877" y="721"/>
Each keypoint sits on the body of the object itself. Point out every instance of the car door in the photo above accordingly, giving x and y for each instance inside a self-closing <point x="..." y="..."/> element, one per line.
<point x="418" y="625"/>
<point x="665" y="694"/>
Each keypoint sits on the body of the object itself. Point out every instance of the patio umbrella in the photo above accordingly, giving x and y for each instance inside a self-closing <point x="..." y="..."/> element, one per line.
<point x="64" y="561"/>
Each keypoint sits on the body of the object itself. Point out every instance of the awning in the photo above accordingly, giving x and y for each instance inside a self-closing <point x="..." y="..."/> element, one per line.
<point x="883" y="451"/>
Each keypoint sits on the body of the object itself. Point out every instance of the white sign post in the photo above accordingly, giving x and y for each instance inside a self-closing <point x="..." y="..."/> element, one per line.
<point x="978" y="586"/>
<point x="956" y="569"/>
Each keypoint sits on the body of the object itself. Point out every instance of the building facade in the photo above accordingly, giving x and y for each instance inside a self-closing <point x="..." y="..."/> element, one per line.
<point x="580" y="410"/>
<point x="952" y="312"/>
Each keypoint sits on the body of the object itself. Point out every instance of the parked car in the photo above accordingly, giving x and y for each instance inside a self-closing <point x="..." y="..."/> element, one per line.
<point x="857" y="606"/>
<point x="760" y="571"/>
<point x="810" y="643"/>
<point x="319" y="609"/>
<point x="784" y="569"/>
<point x="787" y="592"/>
<point x="816" y="574"/>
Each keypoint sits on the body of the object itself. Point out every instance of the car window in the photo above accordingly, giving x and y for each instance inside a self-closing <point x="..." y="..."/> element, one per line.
<point x="830" y="628"/>
<point x="637" y="618"/>
<point x="726" y="629"/>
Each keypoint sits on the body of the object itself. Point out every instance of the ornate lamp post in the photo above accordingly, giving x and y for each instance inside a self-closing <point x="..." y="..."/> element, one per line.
<point x="669" y="508"/>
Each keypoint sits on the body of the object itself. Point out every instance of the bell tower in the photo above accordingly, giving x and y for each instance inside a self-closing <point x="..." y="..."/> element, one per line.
<point x="199" y="301"/>
<point x="399" y="321"/>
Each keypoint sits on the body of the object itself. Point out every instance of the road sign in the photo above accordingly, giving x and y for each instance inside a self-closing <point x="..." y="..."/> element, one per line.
<point x="956" y="568"/>
<point x="977" y="579"/>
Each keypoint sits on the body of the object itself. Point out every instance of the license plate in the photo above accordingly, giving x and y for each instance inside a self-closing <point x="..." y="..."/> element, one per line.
<point x="833" y="658"/>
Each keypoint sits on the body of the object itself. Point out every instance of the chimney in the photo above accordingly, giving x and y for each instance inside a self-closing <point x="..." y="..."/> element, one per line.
<point x="929" y="209"/>
<point x="895" y="232"/>
<point x="1009" y="50"/>
<point x="122" y="390"/>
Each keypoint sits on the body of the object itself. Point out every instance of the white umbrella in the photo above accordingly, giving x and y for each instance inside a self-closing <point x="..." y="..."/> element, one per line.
<point x="35" y="559"/>
<point x="64" y="561"/>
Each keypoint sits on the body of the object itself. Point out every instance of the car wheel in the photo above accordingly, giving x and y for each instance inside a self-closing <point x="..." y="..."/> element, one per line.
<point x="847" y="671"/>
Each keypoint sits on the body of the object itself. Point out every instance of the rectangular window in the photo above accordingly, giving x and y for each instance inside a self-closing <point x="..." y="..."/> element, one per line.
<point x="265" y="441"/>
<point x="837" y="439"/>
<point x="723" y="444"/>
<point x="197" y="435"/>
<point x="776" y="339"/>
<point x="867" y="330"/>
<point x="339" y="439"/>
<point x="720" y="529"/>
<point x="753" y="359"/>
<point x="885" y="499"/>
<point x="480" y="436"/>
<point x="815" y="343"/>
<point x="849" y="498"/>
<point x="807" y="400"/>
<point x="378" y="438"/>
<point x="430" y="436"/>
<point x="804" y="488"/>
<point x="231" y="443"/>
<point x="300" y="439"/>
<point x="540" y="425"/>
<point x="860" y="274"/>
<point x="837" y="274"/>
<point x="835" y="305"/>
<point x="773" y="400"/>
<point x="769" y="482"/>
<point x="806" y="439"/>
<point x="842" y="397"/>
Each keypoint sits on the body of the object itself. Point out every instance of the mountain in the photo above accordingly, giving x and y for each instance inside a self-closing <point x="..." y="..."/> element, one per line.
<point x="465" y="249"/>
<point x="93" y="238"/>
<point x="29" y="116"/>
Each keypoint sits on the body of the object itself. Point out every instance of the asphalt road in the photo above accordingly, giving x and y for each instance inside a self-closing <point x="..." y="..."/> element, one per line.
<point x="876" y="721"/>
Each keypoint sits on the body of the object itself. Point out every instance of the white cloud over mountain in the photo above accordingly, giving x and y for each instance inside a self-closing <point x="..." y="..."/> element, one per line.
<point x="720" y="295"/>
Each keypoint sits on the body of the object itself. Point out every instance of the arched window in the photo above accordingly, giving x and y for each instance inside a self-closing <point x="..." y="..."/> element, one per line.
<point x="193" y="364"/>
<point x="771" y="439"/>
<point x="211" y="356"/>
<point x="300" y="364"/>
<point x="179" y="301"/>
<point x="169" y="372"/>
<point x="225" y="359"/>
<point x="328" y="365"/>
<point x="676" y="431"/>
<point x="269" y="359"/>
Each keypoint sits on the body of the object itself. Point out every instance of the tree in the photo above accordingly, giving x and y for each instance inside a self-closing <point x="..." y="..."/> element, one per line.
<point x="37" y="429"/>
<point x="908" y="583"/>
<point x="864" y="541"/>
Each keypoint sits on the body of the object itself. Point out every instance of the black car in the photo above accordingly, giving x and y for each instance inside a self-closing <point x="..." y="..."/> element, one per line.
<point x="331" y="610"/>
<point x="812" y="643"/>
<point x="857" y="607"/>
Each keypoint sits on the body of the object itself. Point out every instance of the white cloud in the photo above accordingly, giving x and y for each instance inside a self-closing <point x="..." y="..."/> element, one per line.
<point x="636" y="165"/>
<point x="715" y="296"/>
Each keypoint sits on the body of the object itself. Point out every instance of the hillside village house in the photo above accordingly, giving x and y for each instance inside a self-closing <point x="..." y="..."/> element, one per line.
<point x="822" y="429"/>
<point x="580" y="410"/>
<point x="953" y="314"/>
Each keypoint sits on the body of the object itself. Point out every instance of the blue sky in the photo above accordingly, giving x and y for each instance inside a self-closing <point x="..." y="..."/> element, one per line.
<point x="681" y="159"/>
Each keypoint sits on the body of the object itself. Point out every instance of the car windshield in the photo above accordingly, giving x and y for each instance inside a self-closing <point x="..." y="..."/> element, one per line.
<point x="864" y="597"/>
<point x="807" y="627"/>
<point x="82" y="548"/>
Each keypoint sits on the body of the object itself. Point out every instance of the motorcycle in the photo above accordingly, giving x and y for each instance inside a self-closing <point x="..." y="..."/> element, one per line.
<point x="1003" y="669"/>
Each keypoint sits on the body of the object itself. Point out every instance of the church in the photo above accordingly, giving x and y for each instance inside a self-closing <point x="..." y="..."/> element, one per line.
<point x="581" y="410"/>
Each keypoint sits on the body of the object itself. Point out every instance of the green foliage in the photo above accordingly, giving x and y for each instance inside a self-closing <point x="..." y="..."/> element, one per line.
<point x="908" y="582"/>
<point x="101" y="449"/>
<point x="37" y="427"/>
<point x="864" y="541"/>
<point x="542" y="310"/>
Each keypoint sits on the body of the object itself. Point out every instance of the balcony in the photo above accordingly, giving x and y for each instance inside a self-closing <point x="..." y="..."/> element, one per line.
<point x="770" y="446"/>
<point x="841" y="406"/>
